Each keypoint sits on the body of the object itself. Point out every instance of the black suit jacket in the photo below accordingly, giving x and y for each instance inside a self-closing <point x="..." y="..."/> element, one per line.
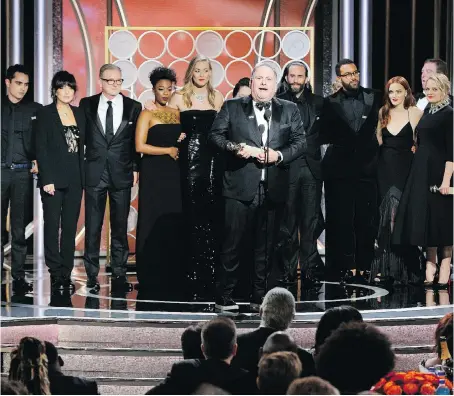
<point x="350" y="154"/>
<point x="51" y="146"/>
<point x="236" y="123"/>
<point x="61" y="384"/>
<point x="120" y="154"/>
<point x="248" y="353"/>
<point x="314" y="106"/>
<point x="187" y="375"/>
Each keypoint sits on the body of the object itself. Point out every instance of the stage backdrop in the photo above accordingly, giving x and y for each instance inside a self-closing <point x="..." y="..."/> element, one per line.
<point x="86" y="44"/>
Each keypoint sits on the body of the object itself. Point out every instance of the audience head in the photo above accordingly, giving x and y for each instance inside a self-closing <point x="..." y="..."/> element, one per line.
<point x="311" y="386"/>
<point x="332" y="319"/>
<point x="191" y="341"/>
<point x="263" y="82"/>
<point x="110" y="80"/>
<point x="296" y="77"/>
<point x="17" y="80"/>
<point x="444" y="329"/>
<point x="277" y="371"/>
<point x="278" y="309"/>
<point x="279" y="341"/>
<point x="54" y="360"/>
<point x="348" y="74"/>
<point x="13" y="388"/>
<point x="198" y="75"/>
<point x="432" y="66"/>
<point x="355" y="357"/>
<point x="29" y="366"/>
<point x="242" y="88"/>
<point x="219" y="339"/>
<point x="437" y="88"/>
<point x="163" y="80"/>
<point x="63" y="87"/>
<point x="209" y="389"/>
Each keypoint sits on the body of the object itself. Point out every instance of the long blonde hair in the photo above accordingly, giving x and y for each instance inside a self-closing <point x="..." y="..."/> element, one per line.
<point x="188" y="88"/>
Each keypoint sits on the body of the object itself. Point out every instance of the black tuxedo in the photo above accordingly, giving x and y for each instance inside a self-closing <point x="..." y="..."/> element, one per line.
<point x="248" y="353"/>
<point x="246" y="206"/>
<point x="187" y="375"/>
<point x="109" y="168"/>
<point x="349" y="172"/>
<point x="61" y="384"/>
<point x="66" y="171"/>
<point x="303" y="216"/>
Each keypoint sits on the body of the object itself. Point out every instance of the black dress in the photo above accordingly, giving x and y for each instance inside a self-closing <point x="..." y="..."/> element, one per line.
<point x="425" y="218"/>
<point x="201" y="190"/>
<point x="159" y="238"/>
<point x="393" y="262"/>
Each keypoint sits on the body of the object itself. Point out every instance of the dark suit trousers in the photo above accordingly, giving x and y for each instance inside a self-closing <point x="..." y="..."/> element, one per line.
<point x="61" y="210"/>
<point x="95" y="206"/>
<point x="303" y="220"/>
<point x="17" y="186"/>
<point x="258" y="218"/>
<point x="351" y="207"/>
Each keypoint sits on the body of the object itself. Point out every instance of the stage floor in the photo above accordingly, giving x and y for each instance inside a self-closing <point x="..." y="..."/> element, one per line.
<point x="376" y="302"/>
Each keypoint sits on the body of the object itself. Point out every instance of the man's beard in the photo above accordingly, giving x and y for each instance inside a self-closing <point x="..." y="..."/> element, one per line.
<point x="297" y="88"/>
<point x="347" y="87"/>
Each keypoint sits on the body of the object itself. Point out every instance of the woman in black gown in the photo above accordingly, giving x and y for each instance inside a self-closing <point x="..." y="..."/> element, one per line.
<point x="158" y="245"/>
<point x="425" y="218"/>
<point x="199" y="103"/>
<point x="397" y="120"/>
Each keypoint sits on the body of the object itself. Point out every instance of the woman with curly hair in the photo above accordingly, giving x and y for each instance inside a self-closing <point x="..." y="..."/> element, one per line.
<point x="29" y="366"/>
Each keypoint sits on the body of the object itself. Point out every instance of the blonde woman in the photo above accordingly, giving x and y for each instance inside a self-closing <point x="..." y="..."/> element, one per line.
<point x="199" y="103"/>
<point x="424" y="218"/>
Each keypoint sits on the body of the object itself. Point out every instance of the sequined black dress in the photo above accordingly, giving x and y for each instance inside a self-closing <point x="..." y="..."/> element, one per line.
<point x="201" y="191"/>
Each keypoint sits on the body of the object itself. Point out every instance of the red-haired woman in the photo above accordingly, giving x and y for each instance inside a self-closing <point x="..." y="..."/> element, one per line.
<point x="395" y="133"/>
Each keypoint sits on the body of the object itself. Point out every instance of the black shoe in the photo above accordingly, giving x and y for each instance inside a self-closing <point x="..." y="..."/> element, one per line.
<point x="20" y="285"/>
<point x="56" y="283"/>
<point x="93" y="284"/>
<point x="226" y="304"/>
<point x="67" y="283"/>
<point x="255" y="303"/>
<point x="120" y="283"/>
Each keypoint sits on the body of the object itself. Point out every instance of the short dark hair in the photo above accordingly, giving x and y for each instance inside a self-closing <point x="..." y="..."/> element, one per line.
<point x="442" y="66"/>
<point x="311" y="386"/>
<point x="357" y="345"/>
<point x="332" y="319"/>
<point x="279" y="342"/>
<point x="191" y="340"/>
<point x="62" y="79"/>
<point x="219" y="338"/>
<point x="277" y="371"/>
<point x="162" y="73"/>
<point x="243" y="82"/>
<point x="341" y="63"/>
<point x="294" y="63"/>
<point x="13" y="388"/>
<point x="51" y="353"/>
<point x="17" y="68"/>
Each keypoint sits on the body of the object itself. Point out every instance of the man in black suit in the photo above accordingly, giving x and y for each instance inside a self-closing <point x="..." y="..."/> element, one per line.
<point x="303" y="214"/>
<point x="61" y="384"/>
<point x="276" y="312"/>
<point x="349" y="172"/>
<point x="112" y="167"/>
<point x="219" y="346"/>
<point x="255" y="184"/>
<point x="18" y="155"/>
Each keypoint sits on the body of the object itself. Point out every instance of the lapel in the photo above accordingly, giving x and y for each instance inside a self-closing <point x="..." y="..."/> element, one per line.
<point x="251" y="121"/>
<point x="368" y="102"/>
<point x="94" y="103"/>
<point x="311" y="111"/>
<point x="57" y="120"/>
<point x="276" y="113"/>
<point x="81" y="125"/>
<point x="126" y="117"/>
<point x="337" y="107"/>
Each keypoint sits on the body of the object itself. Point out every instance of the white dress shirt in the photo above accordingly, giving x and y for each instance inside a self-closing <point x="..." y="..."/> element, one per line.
<point x="117" y="107"/>
<point x="422" y="103"/>
<point x="260" y="117"/>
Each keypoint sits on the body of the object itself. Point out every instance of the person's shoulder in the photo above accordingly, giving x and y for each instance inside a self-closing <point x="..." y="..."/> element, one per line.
<point x="371" y="90"/>
<point x="286" y="103"/>
<point x="134" y="102"/>
<point x="414" y="111"/>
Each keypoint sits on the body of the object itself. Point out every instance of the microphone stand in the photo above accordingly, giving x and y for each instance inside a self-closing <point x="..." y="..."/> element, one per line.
<point x="267" y="117"/>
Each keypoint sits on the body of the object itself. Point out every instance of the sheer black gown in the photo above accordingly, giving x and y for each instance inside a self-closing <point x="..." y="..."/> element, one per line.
<point x="394" y="263"/>
<point x="159" y="224"/>
<point x="201" y="191"/>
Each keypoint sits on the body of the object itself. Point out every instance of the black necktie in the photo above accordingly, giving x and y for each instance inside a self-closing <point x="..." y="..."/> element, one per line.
<point x="263" y="105"/>
<point x="9" y="149"/>
<point x="109" y="122"/>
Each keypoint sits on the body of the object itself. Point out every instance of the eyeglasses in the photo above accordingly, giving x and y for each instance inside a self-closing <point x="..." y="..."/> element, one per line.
<point x="428" y="90"/>
<point x="350" y="75"/>
<point x="113" y="82"/>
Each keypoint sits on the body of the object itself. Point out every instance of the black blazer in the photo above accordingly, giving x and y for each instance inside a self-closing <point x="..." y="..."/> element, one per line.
<point x="236" y="123"/>
<point x="187" y="375"/>
<point x="248" y="353"/>
<point x="120" y="154"/>
<point x="350" y="154"/>
<point x="51" y="147"/>
<point x="61" y="384"/>
<point x="312" y="155"/>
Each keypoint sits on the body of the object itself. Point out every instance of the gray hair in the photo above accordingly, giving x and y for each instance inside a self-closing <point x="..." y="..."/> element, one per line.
<point x="277" y="309"/>
<point x="266" y="64"/>
<point x="108" y="66"/>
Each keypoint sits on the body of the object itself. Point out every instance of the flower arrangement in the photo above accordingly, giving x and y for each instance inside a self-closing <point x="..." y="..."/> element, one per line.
<point x="408" y="383"/>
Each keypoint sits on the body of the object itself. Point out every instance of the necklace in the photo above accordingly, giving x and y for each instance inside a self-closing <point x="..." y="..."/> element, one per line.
<point x="63" y="112"/>
<point x="437" y="107"/>
<point x="200" y="97"/>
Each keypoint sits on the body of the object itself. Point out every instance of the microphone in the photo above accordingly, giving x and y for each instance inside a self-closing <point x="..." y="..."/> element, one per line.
<point x="267" y="115"/>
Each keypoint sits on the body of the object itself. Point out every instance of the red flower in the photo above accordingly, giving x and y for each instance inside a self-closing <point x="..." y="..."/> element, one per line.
<point x="411" y="389"/>
<point x="394" y="390"/>
<point x="427" y="389"/>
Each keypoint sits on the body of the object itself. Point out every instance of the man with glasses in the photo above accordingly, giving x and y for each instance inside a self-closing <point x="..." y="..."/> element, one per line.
<point x="430" y="67"/>
<point x="348" y="168"/>
<point x="111" y="168"/>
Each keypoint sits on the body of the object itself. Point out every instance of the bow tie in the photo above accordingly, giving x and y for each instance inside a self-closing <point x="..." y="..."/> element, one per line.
<point x="263" y="105"/>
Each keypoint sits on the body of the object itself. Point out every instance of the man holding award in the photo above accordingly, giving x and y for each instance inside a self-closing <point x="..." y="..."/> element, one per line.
<point x="260" y="135"/>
